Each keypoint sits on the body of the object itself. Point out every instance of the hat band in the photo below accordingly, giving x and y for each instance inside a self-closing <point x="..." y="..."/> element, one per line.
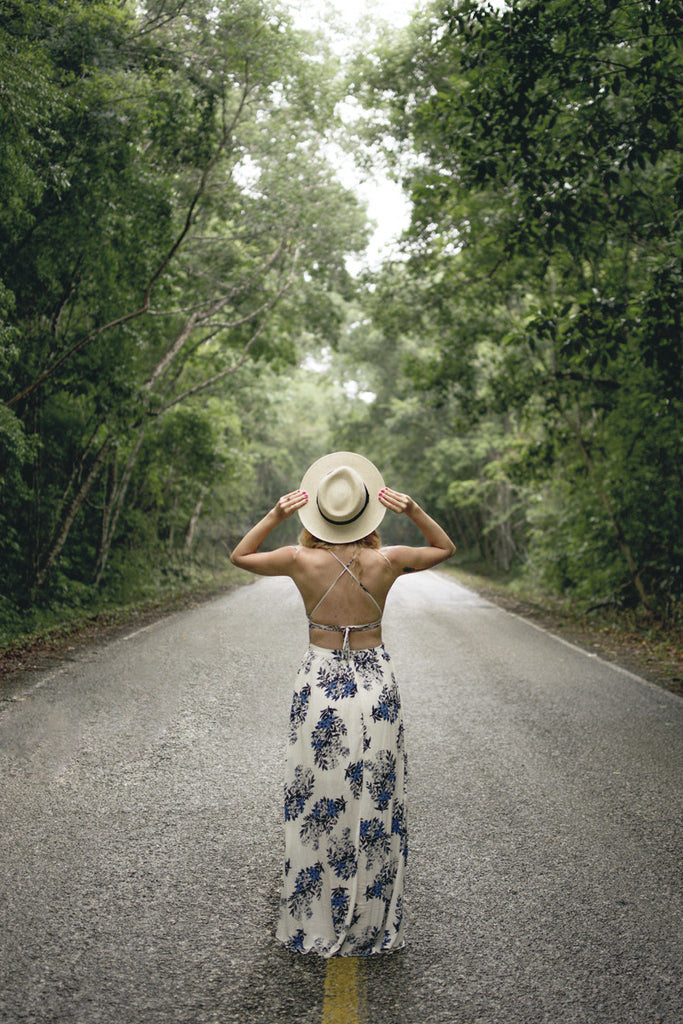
<point x="344" y="522"/>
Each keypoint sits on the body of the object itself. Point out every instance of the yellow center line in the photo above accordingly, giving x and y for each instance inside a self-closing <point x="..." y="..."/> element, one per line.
<point x="343" y="991"/>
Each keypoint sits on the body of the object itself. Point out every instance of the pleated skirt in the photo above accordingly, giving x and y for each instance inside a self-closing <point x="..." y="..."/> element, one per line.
<point x="344" y="807"/>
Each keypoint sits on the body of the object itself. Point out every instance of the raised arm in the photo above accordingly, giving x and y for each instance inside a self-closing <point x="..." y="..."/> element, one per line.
<point x="409" y="559"/>
<point x="246" y="554"/>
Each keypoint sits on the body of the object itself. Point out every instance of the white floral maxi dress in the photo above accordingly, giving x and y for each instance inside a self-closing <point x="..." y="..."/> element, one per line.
<point x="345" y="809"/>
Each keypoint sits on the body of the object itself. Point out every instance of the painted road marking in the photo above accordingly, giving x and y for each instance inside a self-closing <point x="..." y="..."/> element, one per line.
<point x="343" y="991"/>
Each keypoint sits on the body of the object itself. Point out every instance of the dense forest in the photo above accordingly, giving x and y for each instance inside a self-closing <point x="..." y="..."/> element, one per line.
<point x="180" y="332"/>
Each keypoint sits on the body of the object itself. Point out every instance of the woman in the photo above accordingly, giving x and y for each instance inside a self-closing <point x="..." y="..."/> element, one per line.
<point x="345" y="822"/>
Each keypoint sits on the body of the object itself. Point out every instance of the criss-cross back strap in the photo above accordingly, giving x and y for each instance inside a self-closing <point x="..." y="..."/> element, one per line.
<point x="345" y="630"/>
<point x="346" y="568"/>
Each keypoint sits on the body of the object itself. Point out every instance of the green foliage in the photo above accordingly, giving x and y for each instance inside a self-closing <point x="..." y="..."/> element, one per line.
<point x="169" y="214"/>
<point x="15" y="452"/>
<point x="173" y="243"/>
<point x="545" y="271"/>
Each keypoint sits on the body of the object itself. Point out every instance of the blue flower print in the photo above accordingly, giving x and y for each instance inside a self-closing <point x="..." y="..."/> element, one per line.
<point x="382" y="783"/>
<point x="399" y="828"/>
<point x="342" y="856"/>
<point x="354" y="775"/>
<point x="298" y="793"/>
<point x="344" y="808"/>
<point x="299" y="710"/>
<point x="296" y="942"/>
<point x="367" y="738"/>
<point x="321" y="819"/>
<point x="367" y="662"/>
<point x="307" y="887"/>
<point x="389" y="704"/>
<point x="340" y="907"/>
<point x="399" y="913"/>
<point x="327" y="740"/>
<point x="364" y="943"/>
<point x="383" y="883"/>
<point x="305" y="666"/>
<point x="374" y="841"/>
<point x="336" y="678"/>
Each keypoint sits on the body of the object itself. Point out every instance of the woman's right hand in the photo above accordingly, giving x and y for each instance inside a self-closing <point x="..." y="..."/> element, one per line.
<point x="397" y="502"/>
<point x="288" y="504"/>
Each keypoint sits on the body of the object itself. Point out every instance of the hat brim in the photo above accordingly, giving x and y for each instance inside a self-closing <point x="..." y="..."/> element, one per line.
<point x="369" y="519"/>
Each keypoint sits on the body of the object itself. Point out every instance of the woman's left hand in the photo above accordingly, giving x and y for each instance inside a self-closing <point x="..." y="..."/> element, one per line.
<point x="396" y="502"/>
<point x="290" y="503"/>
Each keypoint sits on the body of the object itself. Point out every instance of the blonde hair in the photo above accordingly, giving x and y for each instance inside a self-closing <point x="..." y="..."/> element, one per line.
<point x="307" y="540"/>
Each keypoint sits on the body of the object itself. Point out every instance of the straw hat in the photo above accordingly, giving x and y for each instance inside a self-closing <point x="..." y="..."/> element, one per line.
<point x="343" y="503"/>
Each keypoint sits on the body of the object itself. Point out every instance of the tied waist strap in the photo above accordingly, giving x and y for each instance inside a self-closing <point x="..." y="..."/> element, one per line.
<point x="346" y="630"/>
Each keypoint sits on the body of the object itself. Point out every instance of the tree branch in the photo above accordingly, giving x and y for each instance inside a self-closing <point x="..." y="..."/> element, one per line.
<point x="198" y="320"/>
<point x="223" y="373"/>
<point x="270" y="305"/>
<point x="144" y="307"/>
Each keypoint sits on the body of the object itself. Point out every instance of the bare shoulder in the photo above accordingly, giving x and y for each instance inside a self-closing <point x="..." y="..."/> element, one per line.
<point x="381" y="558"/>
<point x="398" y="556"/>
<point x="407" y="559"/>
<point x="280" y="562"/>
<point x="310" y="556"/>
<point x="310" y="563"/>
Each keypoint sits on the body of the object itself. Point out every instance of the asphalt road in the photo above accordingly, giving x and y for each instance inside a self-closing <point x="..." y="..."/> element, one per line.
<point x="140" y="828"/>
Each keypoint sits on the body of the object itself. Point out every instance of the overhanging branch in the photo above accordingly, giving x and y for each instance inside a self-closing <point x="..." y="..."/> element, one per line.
<point x="163" y="264"/>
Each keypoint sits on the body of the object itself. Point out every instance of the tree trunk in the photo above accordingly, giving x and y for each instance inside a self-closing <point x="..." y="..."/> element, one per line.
<point x="112" y="509"/>
<point x="75" y="472"/>
<point x="68" y="520"/>
<point x="194" y="519"/>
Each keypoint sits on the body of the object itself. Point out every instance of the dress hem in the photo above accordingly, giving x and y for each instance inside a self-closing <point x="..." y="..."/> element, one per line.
<point x="351" y="953"/>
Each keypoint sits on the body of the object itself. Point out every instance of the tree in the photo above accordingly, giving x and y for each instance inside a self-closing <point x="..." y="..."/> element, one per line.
<point x="550" y="176"/>
<point x="190" y="220"/>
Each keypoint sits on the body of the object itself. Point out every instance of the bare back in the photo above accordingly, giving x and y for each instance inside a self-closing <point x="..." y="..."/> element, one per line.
<point x="317" y="571"/>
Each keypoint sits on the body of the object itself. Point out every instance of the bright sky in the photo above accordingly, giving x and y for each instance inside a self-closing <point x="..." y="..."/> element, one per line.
<point x="396" y="12"/>
<point x="386" y="203"/>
